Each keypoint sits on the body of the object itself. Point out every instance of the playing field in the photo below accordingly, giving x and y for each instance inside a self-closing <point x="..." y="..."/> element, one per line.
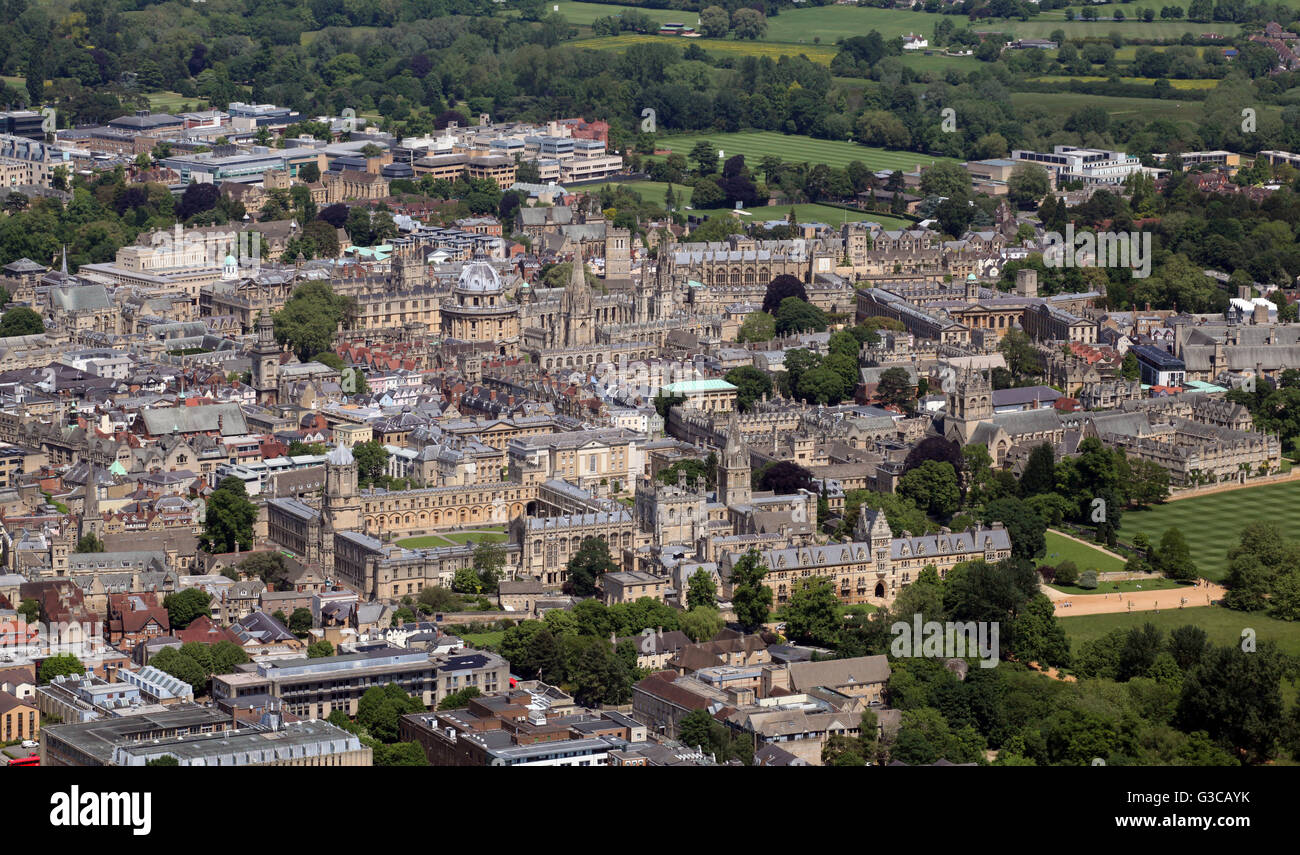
<point x="1064" y="103"/>
<point x="1223" y="626"/>
<point x="1212" y="524"/>
<point x="1061" y="548"/>
<point x="792" y="148"/>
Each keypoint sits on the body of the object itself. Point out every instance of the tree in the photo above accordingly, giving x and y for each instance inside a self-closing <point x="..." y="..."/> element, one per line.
<point x="895" y="388"/>
<point x="933" y="487"/>
<point x="165" y="760"/>
<point x="758" y="326"/>
<point x="784" y="478"/>
<point x="183" y="666"/>
<point x="311" y="317"/>
<point x="590" y="561"/>
<point x="1174" y="558"/>
<point x="706" y="160"/>
<point x="795" y="315"/>
<point x="1022" y="358"/>
<point x="1130" y="369"/>
<point x="751" y="385"/>
<point x="229" y="518"/>
<point x="1235" y="697"/>
<point x="183" y="607"/>
<point x="750" y="598"/>
<point x="748" y="24"/>
<point x="702" y="591"/>
<point x="269" y="567"/>
<point x="60" y="665"/>
<point x="946" y="179"/>
<point x="300" y="622"/>
<point x="380" y="708"/>
<point x="1023" y="524"/>
<point x="20" y="320"/>
<point x="489" y="561"/>
<point x="372" y="463"/>
<point x="780" y="288"/>
<point x="89" y="542"/>
<point x="714" y="22"/>
<point x="320" y="649"/>
<point x="1028" y="183"/>
<point x="701" y="623"/>
<point x="30" y="610"/>
<point x="1040" y="471"/>
<point x="812" y="614"/>
<point x="707" y="194"/>
<point x="459" y="700"/>
<point x="467" y="581"/>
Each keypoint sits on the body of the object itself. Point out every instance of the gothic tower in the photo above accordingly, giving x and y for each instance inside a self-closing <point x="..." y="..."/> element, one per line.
<point x="266" y="361"/>
<point x="733" y="470"/>
<point x="341" y="508"/>
<point x="663" y="297"/>
<point x="409" y="270"/>
<point x="576" y="307"/>
<point x="91" y="521"/>
<point x="970" y="401"/>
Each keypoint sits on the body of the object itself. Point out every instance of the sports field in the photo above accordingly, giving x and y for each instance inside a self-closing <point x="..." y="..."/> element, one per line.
<point x="1223" y="626"/>
<point x="1061" y="548"/>
<point x="794" y="148"/>
<point x="1212" y="524"/>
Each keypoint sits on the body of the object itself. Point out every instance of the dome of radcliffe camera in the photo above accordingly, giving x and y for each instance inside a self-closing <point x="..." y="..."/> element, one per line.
<point x="479" y="275"/>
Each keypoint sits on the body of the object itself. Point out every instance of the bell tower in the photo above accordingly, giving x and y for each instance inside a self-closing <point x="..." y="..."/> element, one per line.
<point x="266" y="361"/>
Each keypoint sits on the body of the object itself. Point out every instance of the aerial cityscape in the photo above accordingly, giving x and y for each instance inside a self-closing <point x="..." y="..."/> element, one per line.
<point x="877" y="383"/>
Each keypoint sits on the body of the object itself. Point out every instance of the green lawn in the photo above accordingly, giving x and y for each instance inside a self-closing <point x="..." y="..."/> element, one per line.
<point x="485" y="536"/>
<point x="1223" y="626"/>
<point x="795" y="148"/>
<point x="1211" y="524"/>
<point x="775" y="50"/>
<point x="482" y="639"/>
<point x="1061" y="548"/>
<point x="1125" y="587"/>
<point x="423" y="542"/>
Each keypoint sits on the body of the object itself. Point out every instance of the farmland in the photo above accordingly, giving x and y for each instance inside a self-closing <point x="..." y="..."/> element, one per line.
<point x="1141" y="81"/>
<point x="623" y="41"/>
<point x="1212" y="524"/>
<point x="801" y="149"/>
<point x="1064" y="103"/>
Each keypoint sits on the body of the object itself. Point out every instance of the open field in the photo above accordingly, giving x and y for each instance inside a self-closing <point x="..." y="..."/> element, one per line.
<point x="824" y="24"/>
<point x="654" y="191"/>
<point x="1203" y="83"/>
<point x="1211" y="524"/>
<point x="1064" y="103"/>
<point x="793" y="148"/>
<point x="480" y="640"/>
<point x="484" y="536"/>
<point x="173" y="102"/>
<point x="1061" y="548"/>
<point x="774" y="50"/>
<point x="1041" y="27"/>
<point x="1223" y="626"/>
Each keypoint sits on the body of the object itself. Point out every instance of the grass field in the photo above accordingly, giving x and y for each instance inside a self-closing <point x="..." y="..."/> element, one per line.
<point x="1126" y="587"/>
<point x="817" y="53"/>
<point x="654" y="191"/>
<point x="1042" y="26"/>
<point x="1223" y="626"/>
<point x="427" y="541"/>
<point x="1064" y="103"/>
<point x="482" y="639"/>
<point x="793" y="148"/>
<point x="1211" y="524"/>
<point x="1085" y="557"/>
<point x="173" y="102"/>
<point x="1139" y="81"/>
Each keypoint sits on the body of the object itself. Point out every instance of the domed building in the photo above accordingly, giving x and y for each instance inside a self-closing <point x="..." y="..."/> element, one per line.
<point x="480" y="311"/>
